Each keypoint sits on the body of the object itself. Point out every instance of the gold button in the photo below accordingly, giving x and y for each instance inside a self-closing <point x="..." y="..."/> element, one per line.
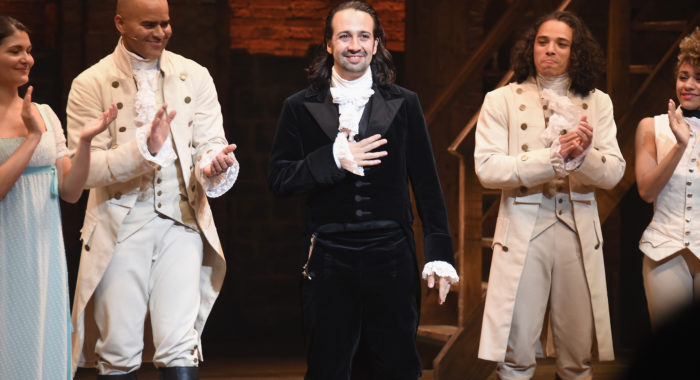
<point x="523" y="189"/>
<point x="117" y="195"/>
<point x="188" y="99"/>
<point x="523" y="157"/>
<point x="159" y="205"/>
<point x="122" y="129"/>
<point x="561" y="212"/>
<point x="690" y="195"/>
<point x="561" y="200"/>
<point x="519" y="90"/>
<point x="546" y="120"/>
<point x="597" y="245"/>
<point x="544" y="107"/>
<point x="523" y="126"/>
<point x="687" y="243"/>
<point x="120" y="105"/>
<point x="522" y="107"/>
<point x="160" y="192"/>
<point x="688" y="183"/>
<point x="159" y="180"/>
<point x="183" y="76"/>
<point x="189" y="124"/>
<point x="87" y="247"/>
<point x="603" y="159"/>
<point x="584" y="106"/>
<point x="115" y="84"/>
<point x="562" y="132"/>
<point x="524" y="147"/>
<point x="505" y="249"/>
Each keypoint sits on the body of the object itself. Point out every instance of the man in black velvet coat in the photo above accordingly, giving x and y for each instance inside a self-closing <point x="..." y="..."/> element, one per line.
<point x="361" y="284"/>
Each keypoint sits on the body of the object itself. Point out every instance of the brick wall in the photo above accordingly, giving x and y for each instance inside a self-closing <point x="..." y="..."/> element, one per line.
<point x="288" y="28"/>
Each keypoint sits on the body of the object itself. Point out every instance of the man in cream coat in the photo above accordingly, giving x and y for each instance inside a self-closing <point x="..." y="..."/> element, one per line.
<point x="150" y="246"/>
<point x="548" y="141"/>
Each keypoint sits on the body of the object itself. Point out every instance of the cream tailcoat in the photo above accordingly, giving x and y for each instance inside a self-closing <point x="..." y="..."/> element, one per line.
<point x="116" y="167"/>
<point x="510" y="155"/>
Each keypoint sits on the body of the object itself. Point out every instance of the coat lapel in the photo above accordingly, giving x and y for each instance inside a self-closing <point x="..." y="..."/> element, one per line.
<point x="382" y="113"/>
<point x="325" y="113"/>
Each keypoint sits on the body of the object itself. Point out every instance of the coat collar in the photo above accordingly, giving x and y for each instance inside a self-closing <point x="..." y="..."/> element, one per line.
<point x="123" y="63"/>
<point x="385" y="103"/>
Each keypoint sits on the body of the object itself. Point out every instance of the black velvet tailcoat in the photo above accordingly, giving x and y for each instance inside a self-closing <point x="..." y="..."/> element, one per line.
<point x="301" y="162"/>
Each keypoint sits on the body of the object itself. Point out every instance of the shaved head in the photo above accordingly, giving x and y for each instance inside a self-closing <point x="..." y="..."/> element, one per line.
<point x="144" y="26"/>
<point x="128" y="7"/>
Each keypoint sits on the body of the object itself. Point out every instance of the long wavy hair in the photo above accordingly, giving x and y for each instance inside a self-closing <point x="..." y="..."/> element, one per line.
<point x="383" y="69"/>
<point x="586" y="62"/>
<point x="9" y="25"/>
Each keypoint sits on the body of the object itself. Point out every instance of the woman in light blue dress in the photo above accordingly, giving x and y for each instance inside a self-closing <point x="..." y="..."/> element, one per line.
<point x="34" y="171"/>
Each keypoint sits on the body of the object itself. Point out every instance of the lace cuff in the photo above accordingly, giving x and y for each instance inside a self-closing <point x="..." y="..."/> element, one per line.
<point x="341" y="150"/>
<point x="575" y="163"/>
<point x="165" y="156"/>
<point x="557" y="160"/>
<point x="215" y="186"/>
<point x="442" y="269"/>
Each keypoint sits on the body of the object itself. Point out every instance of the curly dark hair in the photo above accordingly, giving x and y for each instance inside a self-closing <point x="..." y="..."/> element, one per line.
<point x="9" y="25"/>
<point x="383" y="69"/>
<point x="689" y="50"/>
<point x="586" y="62"/>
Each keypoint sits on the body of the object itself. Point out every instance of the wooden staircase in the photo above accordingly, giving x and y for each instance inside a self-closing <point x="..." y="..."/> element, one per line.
<point x="636" y="86"/>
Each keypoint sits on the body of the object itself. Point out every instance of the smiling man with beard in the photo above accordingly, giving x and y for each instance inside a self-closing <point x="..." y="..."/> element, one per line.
<point x="351" y="143"/>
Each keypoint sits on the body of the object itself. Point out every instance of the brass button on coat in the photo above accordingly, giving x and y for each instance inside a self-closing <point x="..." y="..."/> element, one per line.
<point x="122" y="129"/>
<point x="188" y="99"/>
<point x="584" y="106"/>
<point x="563" y="132"/>
<point x="523" y="126"/>
<point x="523" y="189"/>
<point x="523" y="157"/>
<point x="87" y="248"/>
<point x="117" y="195"/>
<point x="602" y="158"/>
<point x="183" y="76"/>
<point x="120" y="105"/>
<point x="522" y="107"/>
<point x="160" y="192"/>
<point x="115" y="84"/>
<point x="524" y="147"/>
<point x="519" y="90"/>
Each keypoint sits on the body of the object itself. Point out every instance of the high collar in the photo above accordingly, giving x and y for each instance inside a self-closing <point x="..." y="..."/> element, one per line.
<point x="122" y="60"/>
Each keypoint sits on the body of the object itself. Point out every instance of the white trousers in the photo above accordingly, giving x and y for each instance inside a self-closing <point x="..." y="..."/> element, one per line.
<point x="670" y="284"/>
<point x="553" y="272"/>
<point x="155" y="271"/>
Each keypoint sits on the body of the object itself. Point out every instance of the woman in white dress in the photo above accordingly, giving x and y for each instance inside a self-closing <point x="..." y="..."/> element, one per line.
<point x="668" y="174"/>
<point x="34" y="171"/>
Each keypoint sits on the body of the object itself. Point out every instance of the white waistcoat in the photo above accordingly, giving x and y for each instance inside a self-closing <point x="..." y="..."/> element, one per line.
<point x="676" y="208"/>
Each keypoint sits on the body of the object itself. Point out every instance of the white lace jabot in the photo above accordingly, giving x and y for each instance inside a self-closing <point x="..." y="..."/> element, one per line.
<point x="351" y="97"/>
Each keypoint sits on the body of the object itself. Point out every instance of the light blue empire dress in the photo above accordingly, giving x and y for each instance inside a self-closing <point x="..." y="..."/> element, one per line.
<point x="34" y="319"/>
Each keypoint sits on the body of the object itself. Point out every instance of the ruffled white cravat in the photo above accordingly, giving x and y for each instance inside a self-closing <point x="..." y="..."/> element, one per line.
<point x="565" y="117"/>
<point x="351" y="96"/>
<point x="145" y="106"/>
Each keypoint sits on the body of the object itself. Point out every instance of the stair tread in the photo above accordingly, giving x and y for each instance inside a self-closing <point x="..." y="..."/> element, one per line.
<point x="440" y="333"/>
<point x="664" y="26"/>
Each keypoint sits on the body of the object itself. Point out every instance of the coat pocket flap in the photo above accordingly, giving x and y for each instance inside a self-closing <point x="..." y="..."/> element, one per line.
<point x="535" y="198"/>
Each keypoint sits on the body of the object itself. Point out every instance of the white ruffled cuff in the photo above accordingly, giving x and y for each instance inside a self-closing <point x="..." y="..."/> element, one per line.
<point x="442" y="269"/>
<point x="165" y="156"/>
<point x="341" y="150"/>
<point x="575" y="163"/>
<point x="215" y="186"/>
<point x="557" y="160"/>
